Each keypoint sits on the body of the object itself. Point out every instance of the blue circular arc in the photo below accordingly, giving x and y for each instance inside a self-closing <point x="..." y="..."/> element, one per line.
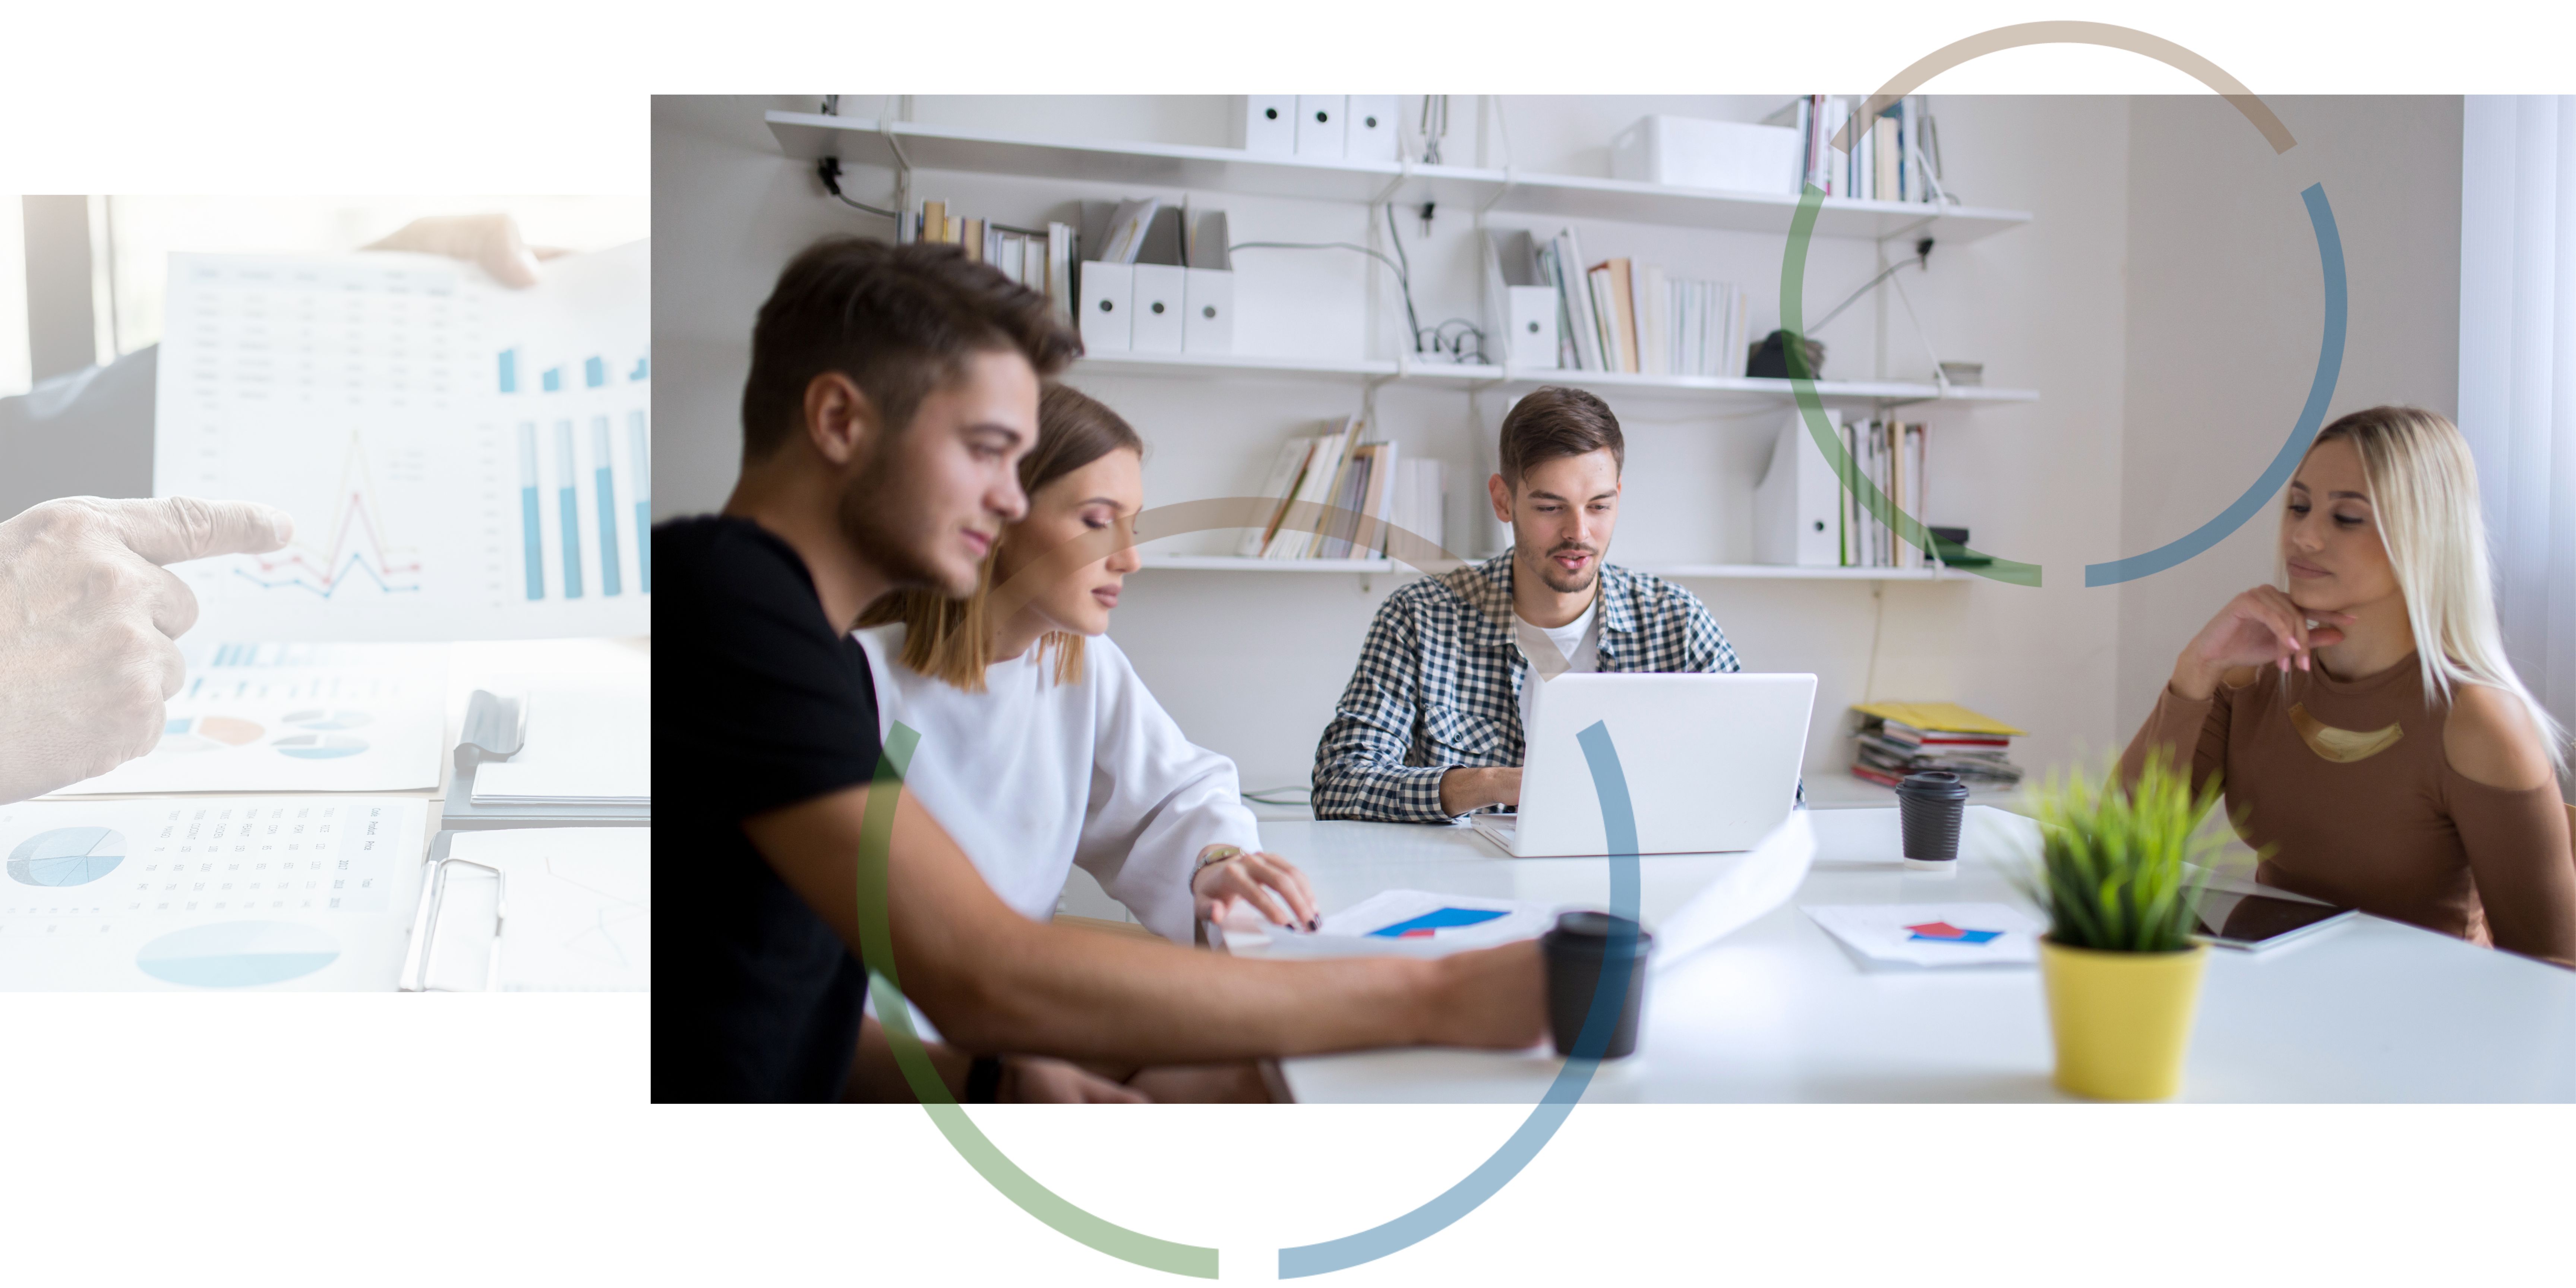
<point x="2311" y="418"/>
<point x="1609" y="997"/>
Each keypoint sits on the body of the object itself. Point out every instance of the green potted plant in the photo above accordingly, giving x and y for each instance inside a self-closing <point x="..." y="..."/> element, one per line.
<point x="2116" y="877"/>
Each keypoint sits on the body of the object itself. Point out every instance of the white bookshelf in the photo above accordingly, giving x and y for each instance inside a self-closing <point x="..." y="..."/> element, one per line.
<point x="1747" y="572"/>
<point x="1238" y="563"/>
<point x="1734" y="391"/>
<point x="1790" y="572"/>
<point x="915" y="146"/>
<point x="810" y="136"/>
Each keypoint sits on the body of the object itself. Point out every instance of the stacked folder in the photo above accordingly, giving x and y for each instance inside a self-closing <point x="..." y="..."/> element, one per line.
<point x="1900" y="738"/>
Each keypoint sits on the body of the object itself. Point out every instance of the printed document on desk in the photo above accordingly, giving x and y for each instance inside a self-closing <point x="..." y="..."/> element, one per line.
<point x="283" y="892"/>
<point x="1413" y="923"/>
<point x="577" y="911"/>
<point x="1934" y="934"/>
<point x="586" y="745"/>
<point x="295" y="718"/>
<point x="463" y="460"/>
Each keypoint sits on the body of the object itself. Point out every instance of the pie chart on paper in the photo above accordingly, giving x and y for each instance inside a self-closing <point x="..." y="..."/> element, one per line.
<point x="67" y="856"/>
<point x="190" y="734"/>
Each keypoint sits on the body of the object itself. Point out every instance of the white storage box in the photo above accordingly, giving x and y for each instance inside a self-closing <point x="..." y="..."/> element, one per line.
<point x="1107" y="292"/>
<point x="1685" y="152"/>
<point x="1159" y="293"/>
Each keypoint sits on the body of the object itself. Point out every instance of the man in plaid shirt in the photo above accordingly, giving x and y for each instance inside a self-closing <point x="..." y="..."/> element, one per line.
<point x="1430" y="727"/>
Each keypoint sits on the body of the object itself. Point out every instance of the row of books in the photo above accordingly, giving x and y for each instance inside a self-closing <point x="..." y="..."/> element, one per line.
<point x="1894" y="739"/>
<point x="1041" y="261"/>
<point x="1622" y="315"/>
<point x="1370" y="488"/>
<point x="1894" y="157"/>
<point x="1892" y="456"/>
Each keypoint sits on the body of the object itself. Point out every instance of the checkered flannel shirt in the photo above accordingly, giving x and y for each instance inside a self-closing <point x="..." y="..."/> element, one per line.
<point x="1439" y="683"/>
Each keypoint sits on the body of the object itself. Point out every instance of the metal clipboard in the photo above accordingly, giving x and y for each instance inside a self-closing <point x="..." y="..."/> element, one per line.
<point x="495" y="728"/>
<point x="424" y="932"/>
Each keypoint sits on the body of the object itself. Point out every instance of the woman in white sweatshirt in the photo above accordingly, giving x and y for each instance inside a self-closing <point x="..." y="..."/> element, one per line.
<point x="1040" y="748"/>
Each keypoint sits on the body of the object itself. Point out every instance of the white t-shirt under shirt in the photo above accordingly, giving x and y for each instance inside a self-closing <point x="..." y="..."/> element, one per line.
<point x="1578" y="642"/>
<point x="1032" y="777"/>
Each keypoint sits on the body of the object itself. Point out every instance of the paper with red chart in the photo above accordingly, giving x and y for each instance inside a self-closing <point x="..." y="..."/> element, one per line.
<point x="1934" y="934"/>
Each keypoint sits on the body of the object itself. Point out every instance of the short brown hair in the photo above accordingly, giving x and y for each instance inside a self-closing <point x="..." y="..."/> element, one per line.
<point x="899" y="321"/>
<point x="951" y="639"/>
<point x="1554" y="421"/>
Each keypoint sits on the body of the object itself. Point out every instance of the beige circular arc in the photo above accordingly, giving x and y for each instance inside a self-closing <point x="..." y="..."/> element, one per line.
<point x="2071" y="33"/>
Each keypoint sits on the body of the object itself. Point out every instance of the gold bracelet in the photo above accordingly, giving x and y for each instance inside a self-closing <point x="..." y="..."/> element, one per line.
<point x="1212" y="856"/>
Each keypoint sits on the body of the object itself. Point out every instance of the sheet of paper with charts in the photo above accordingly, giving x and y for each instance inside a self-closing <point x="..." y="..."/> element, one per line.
<point x="463" y="460"/>
<point x="286" y="892"/>
<point x="294" y="717"/>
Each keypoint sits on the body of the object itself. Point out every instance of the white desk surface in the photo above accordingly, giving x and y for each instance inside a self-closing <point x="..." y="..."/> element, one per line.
<point x="2369" y="1011"/>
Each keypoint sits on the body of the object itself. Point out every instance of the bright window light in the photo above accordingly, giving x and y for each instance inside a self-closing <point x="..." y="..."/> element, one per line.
<point x="146" y="230"/>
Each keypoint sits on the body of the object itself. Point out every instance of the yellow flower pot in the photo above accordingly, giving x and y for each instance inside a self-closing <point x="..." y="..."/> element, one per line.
<point x="2122" y="1021"/>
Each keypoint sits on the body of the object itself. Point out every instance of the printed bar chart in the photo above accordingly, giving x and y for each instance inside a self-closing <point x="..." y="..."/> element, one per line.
<point x="639" y="461"/>
<point x="571" y="501"/>
<point x="536" y="546"/>
<point x="381" y="399"/>
<point x="601" y="471"/>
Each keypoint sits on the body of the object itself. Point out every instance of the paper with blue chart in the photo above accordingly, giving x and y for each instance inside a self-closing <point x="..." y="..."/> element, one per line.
<point x="207" y="893"/>
<point x="1934" y="934"/>
<point x="294" y="718"/>
<point x="463" y="460"/>
<point x="1415" y="923"/>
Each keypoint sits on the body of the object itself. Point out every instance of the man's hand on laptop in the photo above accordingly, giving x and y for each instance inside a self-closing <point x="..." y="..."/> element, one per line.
<point x="1463" y="790"/>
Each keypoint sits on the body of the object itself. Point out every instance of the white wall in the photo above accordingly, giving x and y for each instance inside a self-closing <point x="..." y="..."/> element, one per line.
<point x="1250" y="663"/>
<point x="2225" y="311"/>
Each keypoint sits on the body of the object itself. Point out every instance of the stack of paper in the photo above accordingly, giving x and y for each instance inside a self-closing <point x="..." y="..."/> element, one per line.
<point x="586" y="745"/>
<point x="1899" y="738"/>
<point x="1934" y="934"/>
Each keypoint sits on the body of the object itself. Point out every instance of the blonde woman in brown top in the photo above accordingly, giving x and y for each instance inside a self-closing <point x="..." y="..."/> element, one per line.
<point x="2370" y="733"/>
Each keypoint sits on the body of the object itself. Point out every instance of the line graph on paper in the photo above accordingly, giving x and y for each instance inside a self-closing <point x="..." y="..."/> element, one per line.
<point x="351" y="552"/>
<point x="463" y="460"/>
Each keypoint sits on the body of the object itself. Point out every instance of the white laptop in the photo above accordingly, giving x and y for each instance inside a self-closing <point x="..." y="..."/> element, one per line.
<point x="1711" y="762"/>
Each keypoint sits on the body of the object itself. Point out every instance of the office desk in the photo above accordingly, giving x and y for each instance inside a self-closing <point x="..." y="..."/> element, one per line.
<point x="2372" y="1010"/>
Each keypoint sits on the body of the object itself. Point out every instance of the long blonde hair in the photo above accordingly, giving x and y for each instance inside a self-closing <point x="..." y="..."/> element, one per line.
<point x="952" y="639"/>
<point x="2424" y="489"/>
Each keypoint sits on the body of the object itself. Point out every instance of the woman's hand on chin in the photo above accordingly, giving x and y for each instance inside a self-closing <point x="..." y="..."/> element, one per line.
<point x="2260" y="627"/>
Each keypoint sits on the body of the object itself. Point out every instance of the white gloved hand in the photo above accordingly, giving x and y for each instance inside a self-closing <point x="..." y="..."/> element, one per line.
<point x="87" y="620"/>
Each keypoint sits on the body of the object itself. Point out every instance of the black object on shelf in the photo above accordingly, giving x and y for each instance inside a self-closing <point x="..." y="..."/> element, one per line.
<point x="1770" y="359"/>
<point x="1951" y="544"/>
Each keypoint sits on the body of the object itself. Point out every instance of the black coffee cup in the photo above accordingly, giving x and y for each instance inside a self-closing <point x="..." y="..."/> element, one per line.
<point x="1931" y="805"/>
<point x="1587" y="954"/>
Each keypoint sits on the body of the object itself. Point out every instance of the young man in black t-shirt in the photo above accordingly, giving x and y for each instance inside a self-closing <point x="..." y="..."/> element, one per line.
<point x="892" y="392"/>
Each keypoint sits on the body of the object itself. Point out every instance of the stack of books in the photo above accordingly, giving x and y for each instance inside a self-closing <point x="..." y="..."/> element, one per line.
<point x="1621" y="315"/>
<point x="1353" y="491"/>
<point x="1040" y="260"/>
<point x="1896" y="157"/>
<point x="1900" y="738"/>
<point x="1891" y="456"/>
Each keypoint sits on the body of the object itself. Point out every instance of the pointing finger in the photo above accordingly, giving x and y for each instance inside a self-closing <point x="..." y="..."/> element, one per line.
<point x="175" y="529"/>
